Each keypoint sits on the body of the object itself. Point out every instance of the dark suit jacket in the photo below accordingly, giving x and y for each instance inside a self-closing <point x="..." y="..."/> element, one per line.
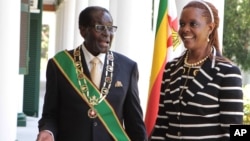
<point x="65" y="113"/>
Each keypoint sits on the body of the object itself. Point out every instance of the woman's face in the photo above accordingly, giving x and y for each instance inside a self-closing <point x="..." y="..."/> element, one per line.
<point x="194" y="29"/>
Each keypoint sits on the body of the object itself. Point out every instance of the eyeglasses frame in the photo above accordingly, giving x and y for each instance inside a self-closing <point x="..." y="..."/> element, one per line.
<point x="114" y="28"/>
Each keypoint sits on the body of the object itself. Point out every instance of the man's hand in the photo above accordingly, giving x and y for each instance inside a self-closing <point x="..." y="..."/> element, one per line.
<point x="44" y="136"/>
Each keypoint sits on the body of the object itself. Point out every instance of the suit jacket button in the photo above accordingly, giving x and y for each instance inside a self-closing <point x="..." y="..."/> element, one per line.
<point x="95" y="124"/>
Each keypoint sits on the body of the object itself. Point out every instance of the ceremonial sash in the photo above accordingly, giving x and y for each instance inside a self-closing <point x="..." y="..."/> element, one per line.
<point x="105" y="112"/>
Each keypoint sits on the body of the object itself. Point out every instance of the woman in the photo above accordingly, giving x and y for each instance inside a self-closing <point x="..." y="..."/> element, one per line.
<point x="201" y="92"/>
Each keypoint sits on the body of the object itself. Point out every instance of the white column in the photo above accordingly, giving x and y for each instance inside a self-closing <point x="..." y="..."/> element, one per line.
<point x="134" y="37"/>
<point x="79" y="6"/>
<point x="59" y="28"/>
<point x="113" y="9"/>
<point x="103" y="3"/>
<point x="68" y="24"/>
<point x="65" y="25"/>
<point x="9" y="74"/>
<point x="219" y="4"/>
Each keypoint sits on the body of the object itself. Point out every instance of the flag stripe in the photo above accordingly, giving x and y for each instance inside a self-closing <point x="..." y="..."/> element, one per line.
<point x="160" y="48"/>
<point x="161" y="13"/>
<point x="159" y="61"/>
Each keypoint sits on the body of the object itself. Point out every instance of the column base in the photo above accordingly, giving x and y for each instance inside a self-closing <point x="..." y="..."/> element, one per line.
<point x="21" y="120"/>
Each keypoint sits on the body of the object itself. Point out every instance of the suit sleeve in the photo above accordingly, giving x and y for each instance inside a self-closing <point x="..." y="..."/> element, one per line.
<point x="133" y="115"/>
<point x="49" y="114"/>
<point x="231" y="98"/>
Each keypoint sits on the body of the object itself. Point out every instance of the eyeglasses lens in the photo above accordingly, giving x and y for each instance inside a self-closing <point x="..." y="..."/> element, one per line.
<point x="101" y="28"/>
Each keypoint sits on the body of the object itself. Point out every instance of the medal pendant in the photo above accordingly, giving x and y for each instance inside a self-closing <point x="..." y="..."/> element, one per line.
<point x="92" y="113"/>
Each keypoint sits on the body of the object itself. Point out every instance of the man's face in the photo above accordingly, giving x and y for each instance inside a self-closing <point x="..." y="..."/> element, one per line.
<point x="98" y="36"/>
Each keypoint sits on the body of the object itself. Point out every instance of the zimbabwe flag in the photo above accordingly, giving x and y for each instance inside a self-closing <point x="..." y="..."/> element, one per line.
<point x="166" y="41"/>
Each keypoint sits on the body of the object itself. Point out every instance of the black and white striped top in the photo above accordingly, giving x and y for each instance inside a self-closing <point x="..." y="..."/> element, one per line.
<point x="212" y="100"/>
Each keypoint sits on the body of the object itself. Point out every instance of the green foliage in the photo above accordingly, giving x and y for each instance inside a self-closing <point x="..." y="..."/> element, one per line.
<point x="246" y="92"/>
<point x="236" y="41"/>
<point x="236" y="45"/>
<point x="246" y="119"/>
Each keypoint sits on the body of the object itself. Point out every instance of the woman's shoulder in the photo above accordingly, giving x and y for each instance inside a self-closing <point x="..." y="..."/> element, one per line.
<point x="176" y="61"/>
<point x="227" y="66"/>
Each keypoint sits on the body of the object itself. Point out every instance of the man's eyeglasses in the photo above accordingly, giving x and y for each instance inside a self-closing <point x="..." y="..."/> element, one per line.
<point x="102" y="28"/>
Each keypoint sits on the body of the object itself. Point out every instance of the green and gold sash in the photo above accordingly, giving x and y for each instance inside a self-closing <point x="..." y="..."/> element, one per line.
<point x="105" y="112"/>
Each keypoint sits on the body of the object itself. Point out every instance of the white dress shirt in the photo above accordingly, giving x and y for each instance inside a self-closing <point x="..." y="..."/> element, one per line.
<point x="88" y="57"/>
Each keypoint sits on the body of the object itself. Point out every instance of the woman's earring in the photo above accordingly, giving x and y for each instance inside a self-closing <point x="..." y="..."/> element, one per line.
<point x="208" y="37"/>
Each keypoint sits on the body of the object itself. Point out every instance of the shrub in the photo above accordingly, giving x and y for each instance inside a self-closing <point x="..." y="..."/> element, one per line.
<point x="246" y="98"/>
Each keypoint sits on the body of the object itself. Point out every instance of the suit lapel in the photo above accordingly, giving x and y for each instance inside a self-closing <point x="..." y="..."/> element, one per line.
<point x="116" y="67"/>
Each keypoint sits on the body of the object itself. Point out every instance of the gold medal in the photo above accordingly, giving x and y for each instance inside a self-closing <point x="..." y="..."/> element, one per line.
<point x="92" y="113"/>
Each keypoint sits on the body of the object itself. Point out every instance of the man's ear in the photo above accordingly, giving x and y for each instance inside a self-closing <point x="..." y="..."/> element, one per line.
<point x="82" y="31"/>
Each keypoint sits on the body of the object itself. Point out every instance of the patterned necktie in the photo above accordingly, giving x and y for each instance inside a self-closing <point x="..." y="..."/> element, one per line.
<point x="95" y="73"/>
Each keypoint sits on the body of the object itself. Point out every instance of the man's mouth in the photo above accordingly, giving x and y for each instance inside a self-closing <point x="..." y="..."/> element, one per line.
<point x="105" y="43"/>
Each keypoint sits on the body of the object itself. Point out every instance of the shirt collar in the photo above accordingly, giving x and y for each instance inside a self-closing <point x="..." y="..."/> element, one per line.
<point x="89" y="56"/>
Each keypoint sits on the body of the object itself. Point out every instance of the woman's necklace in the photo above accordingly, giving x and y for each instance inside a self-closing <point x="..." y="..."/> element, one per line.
<point x="195" y="69"/>
<point x="196" y="63"/>
<point x="93" y="100"/>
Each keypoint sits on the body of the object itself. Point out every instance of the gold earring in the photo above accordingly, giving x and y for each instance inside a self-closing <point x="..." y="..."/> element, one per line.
<point x="208" y="37"/>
